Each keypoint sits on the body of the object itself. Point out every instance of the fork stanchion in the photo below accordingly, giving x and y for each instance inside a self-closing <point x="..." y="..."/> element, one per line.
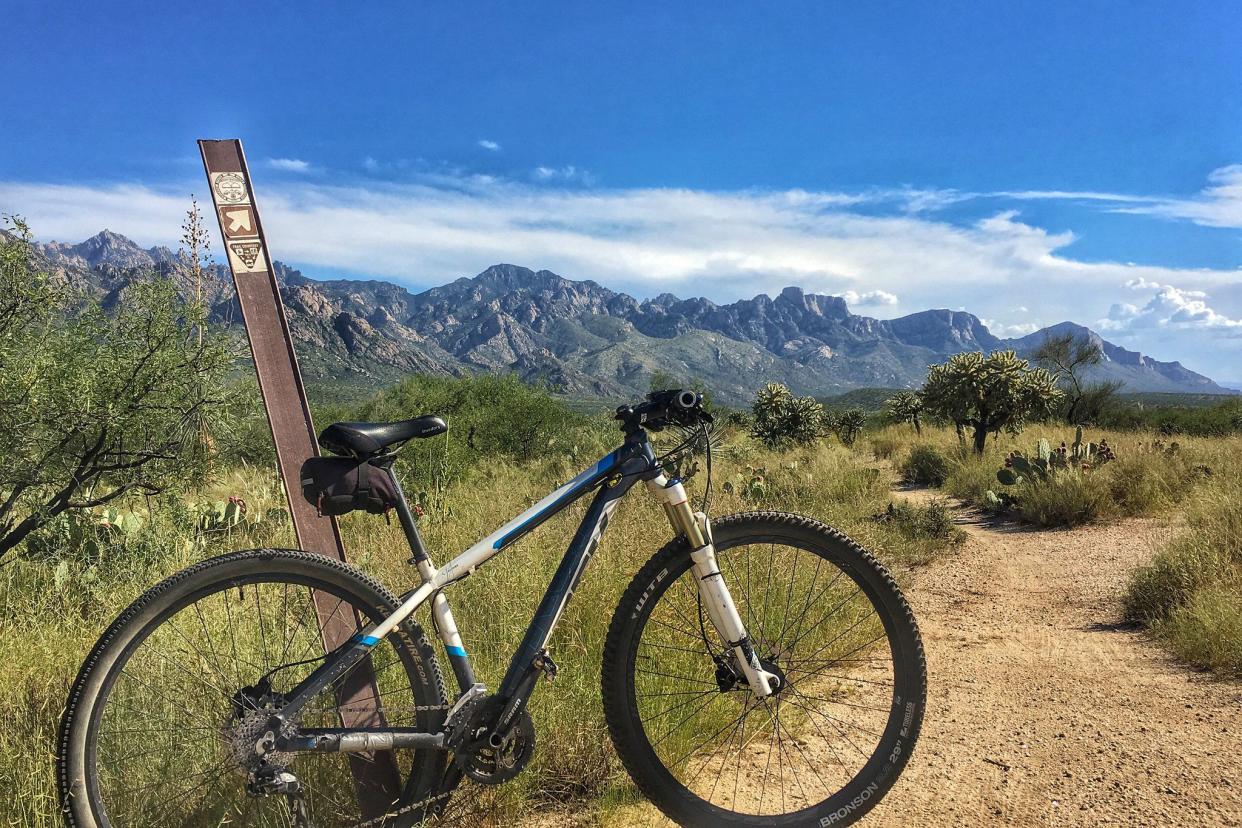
<point x="378" y="782"/>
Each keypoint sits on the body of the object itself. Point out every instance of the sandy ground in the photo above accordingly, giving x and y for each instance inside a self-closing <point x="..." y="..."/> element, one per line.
<point x="1042" y="708"/>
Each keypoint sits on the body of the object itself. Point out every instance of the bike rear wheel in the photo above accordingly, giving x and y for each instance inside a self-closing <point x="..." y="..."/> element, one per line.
<point x="162" y="719"/>
<point x="824" y="615"/>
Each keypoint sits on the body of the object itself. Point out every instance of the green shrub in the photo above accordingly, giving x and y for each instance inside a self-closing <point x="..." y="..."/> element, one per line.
<point x="1065" y="499"/>
<point x="971" y="477"/>
<point x="1142" y="484"/>
<point x="1219" y="420"/>
<point x="489" y="418"/>
<point x="886" y="444"/>
<point x="1207" y="630"/>
<point x="926" y="466"/>
<point x="915" y="522"/>
<point x="1209" y="553"/>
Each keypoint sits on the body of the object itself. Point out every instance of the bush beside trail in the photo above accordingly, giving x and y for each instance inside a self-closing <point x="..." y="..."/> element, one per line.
<point x="1190" y="594"/>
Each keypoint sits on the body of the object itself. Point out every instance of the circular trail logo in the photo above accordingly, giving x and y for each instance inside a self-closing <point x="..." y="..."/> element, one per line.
<point x="230" y="188"/>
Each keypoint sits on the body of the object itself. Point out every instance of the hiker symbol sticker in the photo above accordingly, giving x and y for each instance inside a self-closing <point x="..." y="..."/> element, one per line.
<point x="247" y="256"/>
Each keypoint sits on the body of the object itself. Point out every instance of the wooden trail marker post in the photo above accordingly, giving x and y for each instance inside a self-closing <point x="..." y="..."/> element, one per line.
<point x="376" y="778"/>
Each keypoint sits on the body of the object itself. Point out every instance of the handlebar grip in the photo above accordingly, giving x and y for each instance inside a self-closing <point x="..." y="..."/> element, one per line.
<point x="686" y="400"/>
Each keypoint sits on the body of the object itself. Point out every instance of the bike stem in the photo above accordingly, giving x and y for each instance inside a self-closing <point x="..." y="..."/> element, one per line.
<point x="711" y="585"/>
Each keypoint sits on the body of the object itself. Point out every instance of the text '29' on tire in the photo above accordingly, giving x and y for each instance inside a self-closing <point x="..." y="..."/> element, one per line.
<point x="157" y="732"/>
<point x="826" y="618"/>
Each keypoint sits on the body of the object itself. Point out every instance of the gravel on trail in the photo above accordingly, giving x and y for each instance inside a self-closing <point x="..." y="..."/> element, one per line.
<point x="1044" y="708"/>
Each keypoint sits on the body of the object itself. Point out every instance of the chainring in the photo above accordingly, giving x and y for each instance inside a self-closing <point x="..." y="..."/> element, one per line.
<point x="486" y="763"/>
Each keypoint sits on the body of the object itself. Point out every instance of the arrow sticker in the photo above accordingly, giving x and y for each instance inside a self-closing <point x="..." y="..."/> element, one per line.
<point x="238" y="221"/>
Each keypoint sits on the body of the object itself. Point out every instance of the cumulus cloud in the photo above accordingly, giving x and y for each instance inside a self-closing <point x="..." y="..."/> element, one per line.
<point x="296" y="165"/>
<point x="1169" y="307"/>
<point x="871" y="297"/>
<point x="1016" y="329"/>
<point x="490" y="146"/>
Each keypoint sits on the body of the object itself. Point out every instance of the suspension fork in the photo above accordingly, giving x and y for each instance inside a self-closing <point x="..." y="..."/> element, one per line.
<point x="713" y="590"/>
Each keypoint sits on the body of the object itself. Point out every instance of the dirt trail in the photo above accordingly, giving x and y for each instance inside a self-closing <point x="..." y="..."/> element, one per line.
<point x="1043" y="710"/>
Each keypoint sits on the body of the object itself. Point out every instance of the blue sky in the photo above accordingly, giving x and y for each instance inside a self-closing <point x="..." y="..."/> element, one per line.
<point x="1027" y="162"/>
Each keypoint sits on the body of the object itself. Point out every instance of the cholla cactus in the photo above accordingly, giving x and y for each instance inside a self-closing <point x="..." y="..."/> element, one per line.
<point x="781" y="419"/>
<point x="989" y="394"/>
<point x="906" y="407"/>
<point x="848" y="425"/>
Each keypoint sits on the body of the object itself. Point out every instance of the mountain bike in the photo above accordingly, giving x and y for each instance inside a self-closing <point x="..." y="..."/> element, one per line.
<point x="760" y="669"/>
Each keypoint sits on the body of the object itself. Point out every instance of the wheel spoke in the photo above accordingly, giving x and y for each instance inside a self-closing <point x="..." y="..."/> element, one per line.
<point x="838" y="692"/>
<point x="166" y="747"/>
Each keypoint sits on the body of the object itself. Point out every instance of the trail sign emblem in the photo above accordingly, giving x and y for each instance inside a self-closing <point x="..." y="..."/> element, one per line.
<point x="248" y="252"/>
<point x="230" y="187"/>
<point x="238" y="221"/>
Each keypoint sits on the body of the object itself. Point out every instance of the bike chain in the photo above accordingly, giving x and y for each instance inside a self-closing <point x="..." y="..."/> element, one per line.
<point x="300" y="820"/>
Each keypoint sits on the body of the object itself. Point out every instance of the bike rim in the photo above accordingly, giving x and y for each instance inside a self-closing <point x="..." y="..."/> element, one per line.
<point x="164" y="741"/>
<point x="826" y="728"/>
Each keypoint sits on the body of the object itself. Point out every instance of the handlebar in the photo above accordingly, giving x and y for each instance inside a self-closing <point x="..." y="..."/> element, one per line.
<point x="678" y="406"/>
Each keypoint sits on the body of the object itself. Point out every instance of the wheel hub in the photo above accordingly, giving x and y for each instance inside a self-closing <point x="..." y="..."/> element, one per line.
<point x="246" y="730"/>
<point x="729" y="677"/>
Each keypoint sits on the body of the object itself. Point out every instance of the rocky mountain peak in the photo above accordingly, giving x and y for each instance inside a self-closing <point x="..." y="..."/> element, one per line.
<point x="595" y="341"/>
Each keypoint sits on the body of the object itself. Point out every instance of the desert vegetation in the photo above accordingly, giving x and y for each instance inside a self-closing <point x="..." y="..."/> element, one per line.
<point x="151" y="384"/>
<point x="210" y="487"/>
<point x="1052" y="475"/>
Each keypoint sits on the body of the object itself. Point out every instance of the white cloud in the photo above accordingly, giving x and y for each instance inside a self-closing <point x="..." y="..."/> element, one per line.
<point x="490" y="146"/>
<point x="445" y="223"/>
<point x="1169" y="308"/>
<point x="566" y="173"/>
<point x="871" y="297"/>
<point x="296" y="165"/>
<point x="1017" y="329"/>
<point x="1217" y="205"/>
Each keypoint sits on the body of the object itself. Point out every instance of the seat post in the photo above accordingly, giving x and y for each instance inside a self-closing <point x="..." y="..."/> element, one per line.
<point x="408" y="524"/>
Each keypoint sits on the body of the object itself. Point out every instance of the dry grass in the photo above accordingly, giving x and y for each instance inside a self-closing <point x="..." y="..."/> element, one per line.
<point x="53" y="609"/>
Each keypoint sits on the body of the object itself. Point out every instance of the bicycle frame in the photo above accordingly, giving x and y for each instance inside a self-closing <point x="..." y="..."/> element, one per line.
<point x="612" y="475"/>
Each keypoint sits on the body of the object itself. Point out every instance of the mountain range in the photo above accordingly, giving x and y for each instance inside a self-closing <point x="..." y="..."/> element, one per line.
<point x="590" y="341"/>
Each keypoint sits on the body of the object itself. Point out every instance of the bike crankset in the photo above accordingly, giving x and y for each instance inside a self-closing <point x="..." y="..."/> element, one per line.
<point x="488" y="757"/>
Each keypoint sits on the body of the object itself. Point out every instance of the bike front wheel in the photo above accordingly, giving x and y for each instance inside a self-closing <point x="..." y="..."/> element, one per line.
<point x="823" y="615"/>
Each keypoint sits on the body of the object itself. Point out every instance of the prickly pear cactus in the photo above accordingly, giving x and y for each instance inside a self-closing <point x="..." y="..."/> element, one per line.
<point x="1078" y="457"/>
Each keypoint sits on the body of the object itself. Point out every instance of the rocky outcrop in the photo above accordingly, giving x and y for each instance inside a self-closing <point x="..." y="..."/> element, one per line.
<point x="588" y="340"/>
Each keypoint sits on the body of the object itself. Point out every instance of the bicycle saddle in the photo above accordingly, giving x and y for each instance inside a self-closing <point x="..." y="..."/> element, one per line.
<point x="366" y="439"/>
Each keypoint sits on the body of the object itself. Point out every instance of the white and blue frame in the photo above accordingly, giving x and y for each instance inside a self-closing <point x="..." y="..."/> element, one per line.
<point x="612" y="476"/>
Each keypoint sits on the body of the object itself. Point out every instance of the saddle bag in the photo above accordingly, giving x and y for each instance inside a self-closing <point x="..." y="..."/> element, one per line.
<point x="337" y="485"/>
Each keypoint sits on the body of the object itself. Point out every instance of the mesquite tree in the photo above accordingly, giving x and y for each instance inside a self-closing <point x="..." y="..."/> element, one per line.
<point x="988" y="394"/>
<point x="94" y="406"/>
<point x="1069" y="357"/>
